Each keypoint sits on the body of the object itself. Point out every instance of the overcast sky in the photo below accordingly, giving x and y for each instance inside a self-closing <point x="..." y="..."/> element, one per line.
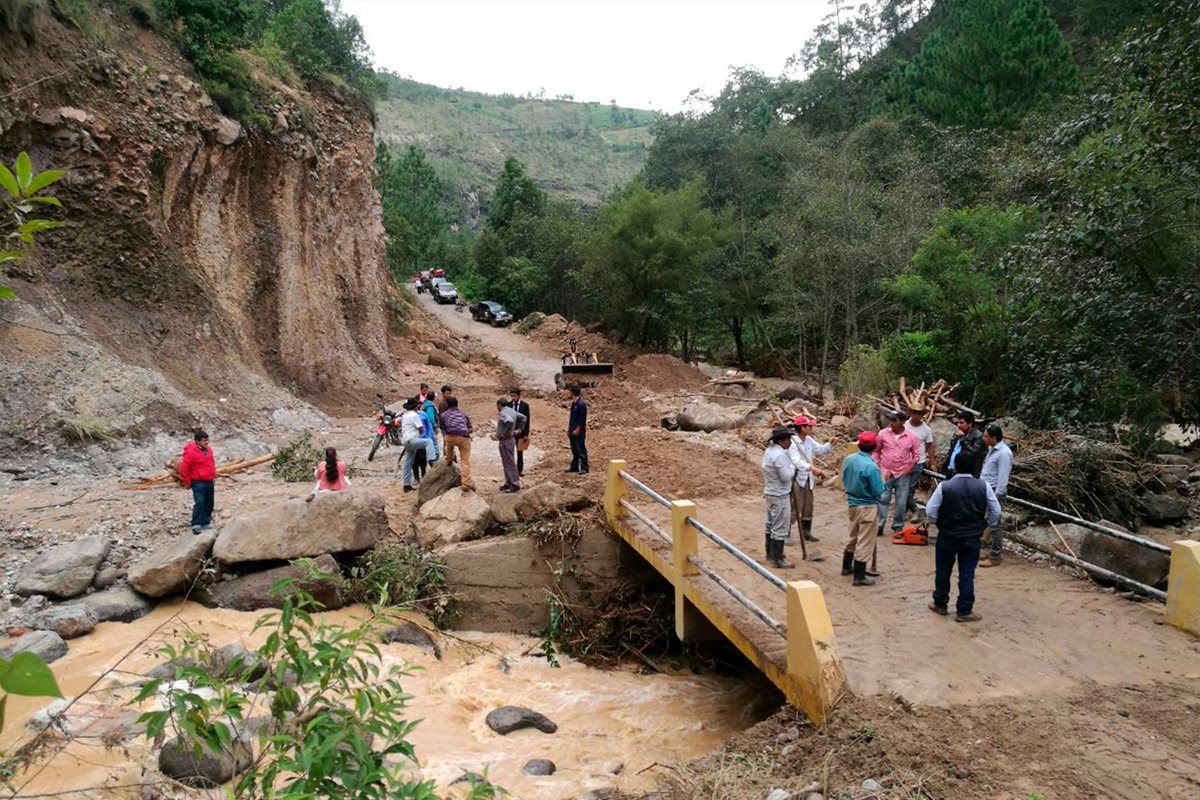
<point x="643" y="53"/>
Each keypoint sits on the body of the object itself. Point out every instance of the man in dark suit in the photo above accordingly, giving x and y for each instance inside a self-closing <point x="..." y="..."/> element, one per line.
<point x="969" y="440"/>
<point x="521" y="407"/>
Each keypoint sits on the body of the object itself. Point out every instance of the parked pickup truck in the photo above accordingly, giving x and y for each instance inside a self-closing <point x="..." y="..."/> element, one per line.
<point x="491" y="313"/>
<point x="444" y="292"/>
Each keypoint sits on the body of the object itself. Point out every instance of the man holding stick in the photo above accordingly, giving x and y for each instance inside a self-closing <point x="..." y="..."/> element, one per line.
<point x="779" y="474"/>
<point x="802" y="450"/>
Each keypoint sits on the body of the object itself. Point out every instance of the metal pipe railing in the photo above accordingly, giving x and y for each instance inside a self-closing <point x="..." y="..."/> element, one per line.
<point x="753" y="607"/>
<point x="658" y="498"/>
<point x="649" y="523"/>
<point x="1064" y="517"/>
<point x="1088" y="567"/>
<point x="738" y="554"/>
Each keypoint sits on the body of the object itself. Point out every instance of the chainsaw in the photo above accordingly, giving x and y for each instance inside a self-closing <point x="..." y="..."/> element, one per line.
<point x="916" y="534"/>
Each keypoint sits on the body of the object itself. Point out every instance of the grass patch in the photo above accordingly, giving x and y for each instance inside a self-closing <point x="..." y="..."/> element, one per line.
<point x="86" y="428"/>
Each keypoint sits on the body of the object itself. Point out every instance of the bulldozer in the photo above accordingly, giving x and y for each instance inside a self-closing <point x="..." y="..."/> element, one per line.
<point x="577" y="364"/>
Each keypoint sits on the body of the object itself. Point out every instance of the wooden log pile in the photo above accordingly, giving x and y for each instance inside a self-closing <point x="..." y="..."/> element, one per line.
<point x="171" y="475"/>
<point x="936" y="399"/>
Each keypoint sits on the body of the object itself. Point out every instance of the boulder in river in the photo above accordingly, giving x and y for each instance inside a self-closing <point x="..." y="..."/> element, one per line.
<point x="707" y="416"/>
<point x="46" y="645"/>
<point x="66" y="571"/>
<point x="68" y="621"/>
<point x="540" y="766"/>
<point x="253" y="592"/>
<point x="506" y="719"/>
<point x="410" y="633"/>
<point x="119" y="604"/>
<point x="173" y="567"/>
<point x="205" y="770"/>
<point x="452" y="517"/>
<point x="334" y="522"/>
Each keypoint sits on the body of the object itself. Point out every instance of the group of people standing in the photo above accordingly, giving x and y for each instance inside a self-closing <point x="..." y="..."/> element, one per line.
<point x="881" y="475"/>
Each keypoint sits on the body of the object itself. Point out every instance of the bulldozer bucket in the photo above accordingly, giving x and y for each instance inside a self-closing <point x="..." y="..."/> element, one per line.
<point x="587" y="369"/>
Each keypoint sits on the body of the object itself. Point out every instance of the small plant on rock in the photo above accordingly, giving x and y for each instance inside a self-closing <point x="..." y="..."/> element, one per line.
<point x="402" y="575"/>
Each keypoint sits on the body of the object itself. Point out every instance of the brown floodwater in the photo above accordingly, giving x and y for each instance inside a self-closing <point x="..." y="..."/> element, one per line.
<point x="615" y="728"/>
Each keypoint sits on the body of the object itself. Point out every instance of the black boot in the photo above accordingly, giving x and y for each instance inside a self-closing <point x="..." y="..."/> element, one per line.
<point x="770" y="548"/>
<point x="778" y="560"/>
<point x="848" y="562"/>
<point x="806" y="526"/>
<point x="860" y="574"/>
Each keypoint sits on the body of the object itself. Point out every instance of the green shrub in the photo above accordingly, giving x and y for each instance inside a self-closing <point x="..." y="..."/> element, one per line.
<point x="530" y="322"/>
<point x="296" y="460"/>
<point x="402" y="575"/>
<point x="864" y="371"/>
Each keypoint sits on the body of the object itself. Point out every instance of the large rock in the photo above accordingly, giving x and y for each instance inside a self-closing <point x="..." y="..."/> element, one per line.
<point x="46" y="645"/>
<point x="410" y="633"/>
<point x="1164" y="508"/>
<point x="334" y="522"/>
<point x="66" y="571"/>
<point x="253" y="592"/>
<point x="68" y="621"/>
<point x="869" y="420"/>
<point x="227" y="131"/>
<point x="1116" y="555"/>
<point x="440" y="358"/>
<point x="442" y="478"/>
<point x="506" y="719"/>
<point x="798" y="391"/>
<point x="452" y="517"/>
<point x="706" y="416"/>
<point x="172" y="568"/>
<point x="205" y="770"/>
<point x="536" y="501"/>
<point x="115" y="605"/>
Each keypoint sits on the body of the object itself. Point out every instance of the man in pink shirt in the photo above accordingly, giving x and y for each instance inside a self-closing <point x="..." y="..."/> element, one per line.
<point x="897" y="452"/>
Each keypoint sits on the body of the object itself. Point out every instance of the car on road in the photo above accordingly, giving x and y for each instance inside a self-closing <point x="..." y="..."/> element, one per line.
<point x="444" y="292"/>
<point x="492" y="313"/>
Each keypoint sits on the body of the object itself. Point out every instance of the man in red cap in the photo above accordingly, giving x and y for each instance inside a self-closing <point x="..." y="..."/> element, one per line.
<point x="803" y="448"/>
<point x="863" y="483"/>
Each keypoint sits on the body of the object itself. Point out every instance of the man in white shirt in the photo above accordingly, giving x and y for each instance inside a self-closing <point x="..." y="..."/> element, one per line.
<point x="918" y="427"/>
<point x="802" y="450"/>
<point x="997" y="466"/>
<point x="778" y="475"/>
<point x="411" y="426"/>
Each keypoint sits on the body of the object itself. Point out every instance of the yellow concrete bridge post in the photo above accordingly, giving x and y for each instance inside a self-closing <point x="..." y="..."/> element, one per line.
<point x="615" y="489"/>
<point x="814" y="669"/>
<point x="1183" y="587"/>
<point x="690" y="623"/>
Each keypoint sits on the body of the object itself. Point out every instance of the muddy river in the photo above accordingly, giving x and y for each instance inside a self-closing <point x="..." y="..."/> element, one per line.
<point x="614" y="727"/>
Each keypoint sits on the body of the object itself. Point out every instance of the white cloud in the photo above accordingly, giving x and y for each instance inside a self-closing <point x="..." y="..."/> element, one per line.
<point x="642" y="53"/>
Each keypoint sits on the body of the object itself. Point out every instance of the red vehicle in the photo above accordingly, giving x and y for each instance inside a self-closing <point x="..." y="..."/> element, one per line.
<point x="387" y="429"/>
<point x="439" y="273"/>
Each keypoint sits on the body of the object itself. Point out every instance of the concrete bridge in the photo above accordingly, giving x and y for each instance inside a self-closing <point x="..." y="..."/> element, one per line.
<point x="1042" y="631"/>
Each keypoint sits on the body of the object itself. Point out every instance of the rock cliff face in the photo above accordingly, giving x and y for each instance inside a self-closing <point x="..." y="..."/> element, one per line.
<point x="206" y="272"/>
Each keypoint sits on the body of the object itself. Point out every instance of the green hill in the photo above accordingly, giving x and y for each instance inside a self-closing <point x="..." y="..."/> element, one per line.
<point x="576" y="151"/>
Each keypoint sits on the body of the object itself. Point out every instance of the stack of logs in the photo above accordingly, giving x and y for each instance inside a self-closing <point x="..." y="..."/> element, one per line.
<point x="171" y="476"/>
<point x="936" y="399"/>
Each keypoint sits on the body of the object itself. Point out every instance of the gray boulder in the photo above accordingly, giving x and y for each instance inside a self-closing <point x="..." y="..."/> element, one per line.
<point x="707" y="416"/>
<point x="253" y="592"/>
<point x="46" y="645"/>
<point x="536" y="501"/>
<point x="506" y="719"/>
<point x="442" y="478"/>
<point x="1164" y="508"/>
<point x="1116" y="555"/>
<point x="410" y="633"/>
<point x="868" y="420"/>
<point x="119" y="604"/>
<point x="66" y="571"/>
<point x="66" y="620"/>
<point x="540" y="766"/>
<point x="235" y="661"/>
<point x="173" y="567"/>
<point x="452" y="517"/>
<point x="203" y="770"/>
<point x="107" y="577"/>
<point x="334" y="522"/>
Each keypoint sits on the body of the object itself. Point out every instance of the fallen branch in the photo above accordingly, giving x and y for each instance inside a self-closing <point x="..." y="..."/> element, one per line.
<point x="225" y="469"/>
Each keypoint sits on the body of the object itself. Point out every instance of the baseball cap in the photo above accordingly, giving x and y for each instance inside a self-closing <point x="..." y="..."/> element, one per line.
<point x="798" y="421"/>
<point x="897" y="415"/>
<point x="867" y="437"/>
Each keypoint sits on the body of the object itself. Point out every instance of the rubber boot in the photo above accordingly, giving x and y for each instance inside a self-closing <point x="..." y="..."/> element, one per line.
<point x="860" y="574"/>
<point x="778" y="560"/>
<point x="848" y="562"/>
<point x="770" y="549"/>
<point x="806" y="526"/>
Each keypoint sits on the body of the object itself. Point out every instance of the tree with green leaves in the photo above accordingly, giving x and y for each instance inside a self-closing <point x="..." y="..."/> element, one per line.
<point x="988" y="64"/>
<point x="515" y="193"/>
<point x="415" y="216"/>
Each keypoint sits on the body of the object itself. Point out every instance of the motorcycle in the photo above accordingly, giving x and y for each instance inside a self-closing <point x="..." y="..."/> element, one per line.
<point x="387" y="431"/>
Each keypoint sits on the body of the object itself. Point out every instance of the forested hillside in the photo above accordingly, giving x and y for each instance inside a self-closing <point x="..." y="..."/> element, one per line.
<point x="1000" y="192"/>
<point x="577" y="151"/>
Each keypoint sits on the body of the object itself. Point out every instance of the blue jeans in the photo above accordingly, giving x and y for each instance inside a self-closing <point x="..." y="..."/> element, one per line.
<point x="896" y="487"/>
<point x="964" y="550"/>
<point x="410" y="451"/>
<point x="579" y="454"/>
<point x="202" y="503"/>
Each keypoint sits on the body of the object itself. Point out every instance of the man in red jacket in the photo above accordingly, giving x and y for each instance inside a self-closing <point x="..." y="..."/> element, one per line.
<point x="198" y="470"/>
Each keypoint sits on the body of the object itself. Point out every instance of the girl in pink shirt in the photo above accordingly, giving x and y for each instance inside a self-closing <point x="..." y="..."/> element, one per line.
<point x="331" y="466"/>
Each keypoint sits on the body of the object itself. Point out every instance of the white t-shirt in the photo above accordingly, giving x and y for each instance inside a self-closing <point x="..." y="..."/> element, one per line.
<point x="923" y="432"/>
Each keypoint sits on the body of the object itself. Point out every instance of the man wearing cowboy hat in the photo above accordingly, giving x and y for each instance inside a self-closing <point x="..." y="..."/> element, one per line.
<point x="778" y="475"/>
<point x="917" y="426"/>
<point x="802" y="450"/>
